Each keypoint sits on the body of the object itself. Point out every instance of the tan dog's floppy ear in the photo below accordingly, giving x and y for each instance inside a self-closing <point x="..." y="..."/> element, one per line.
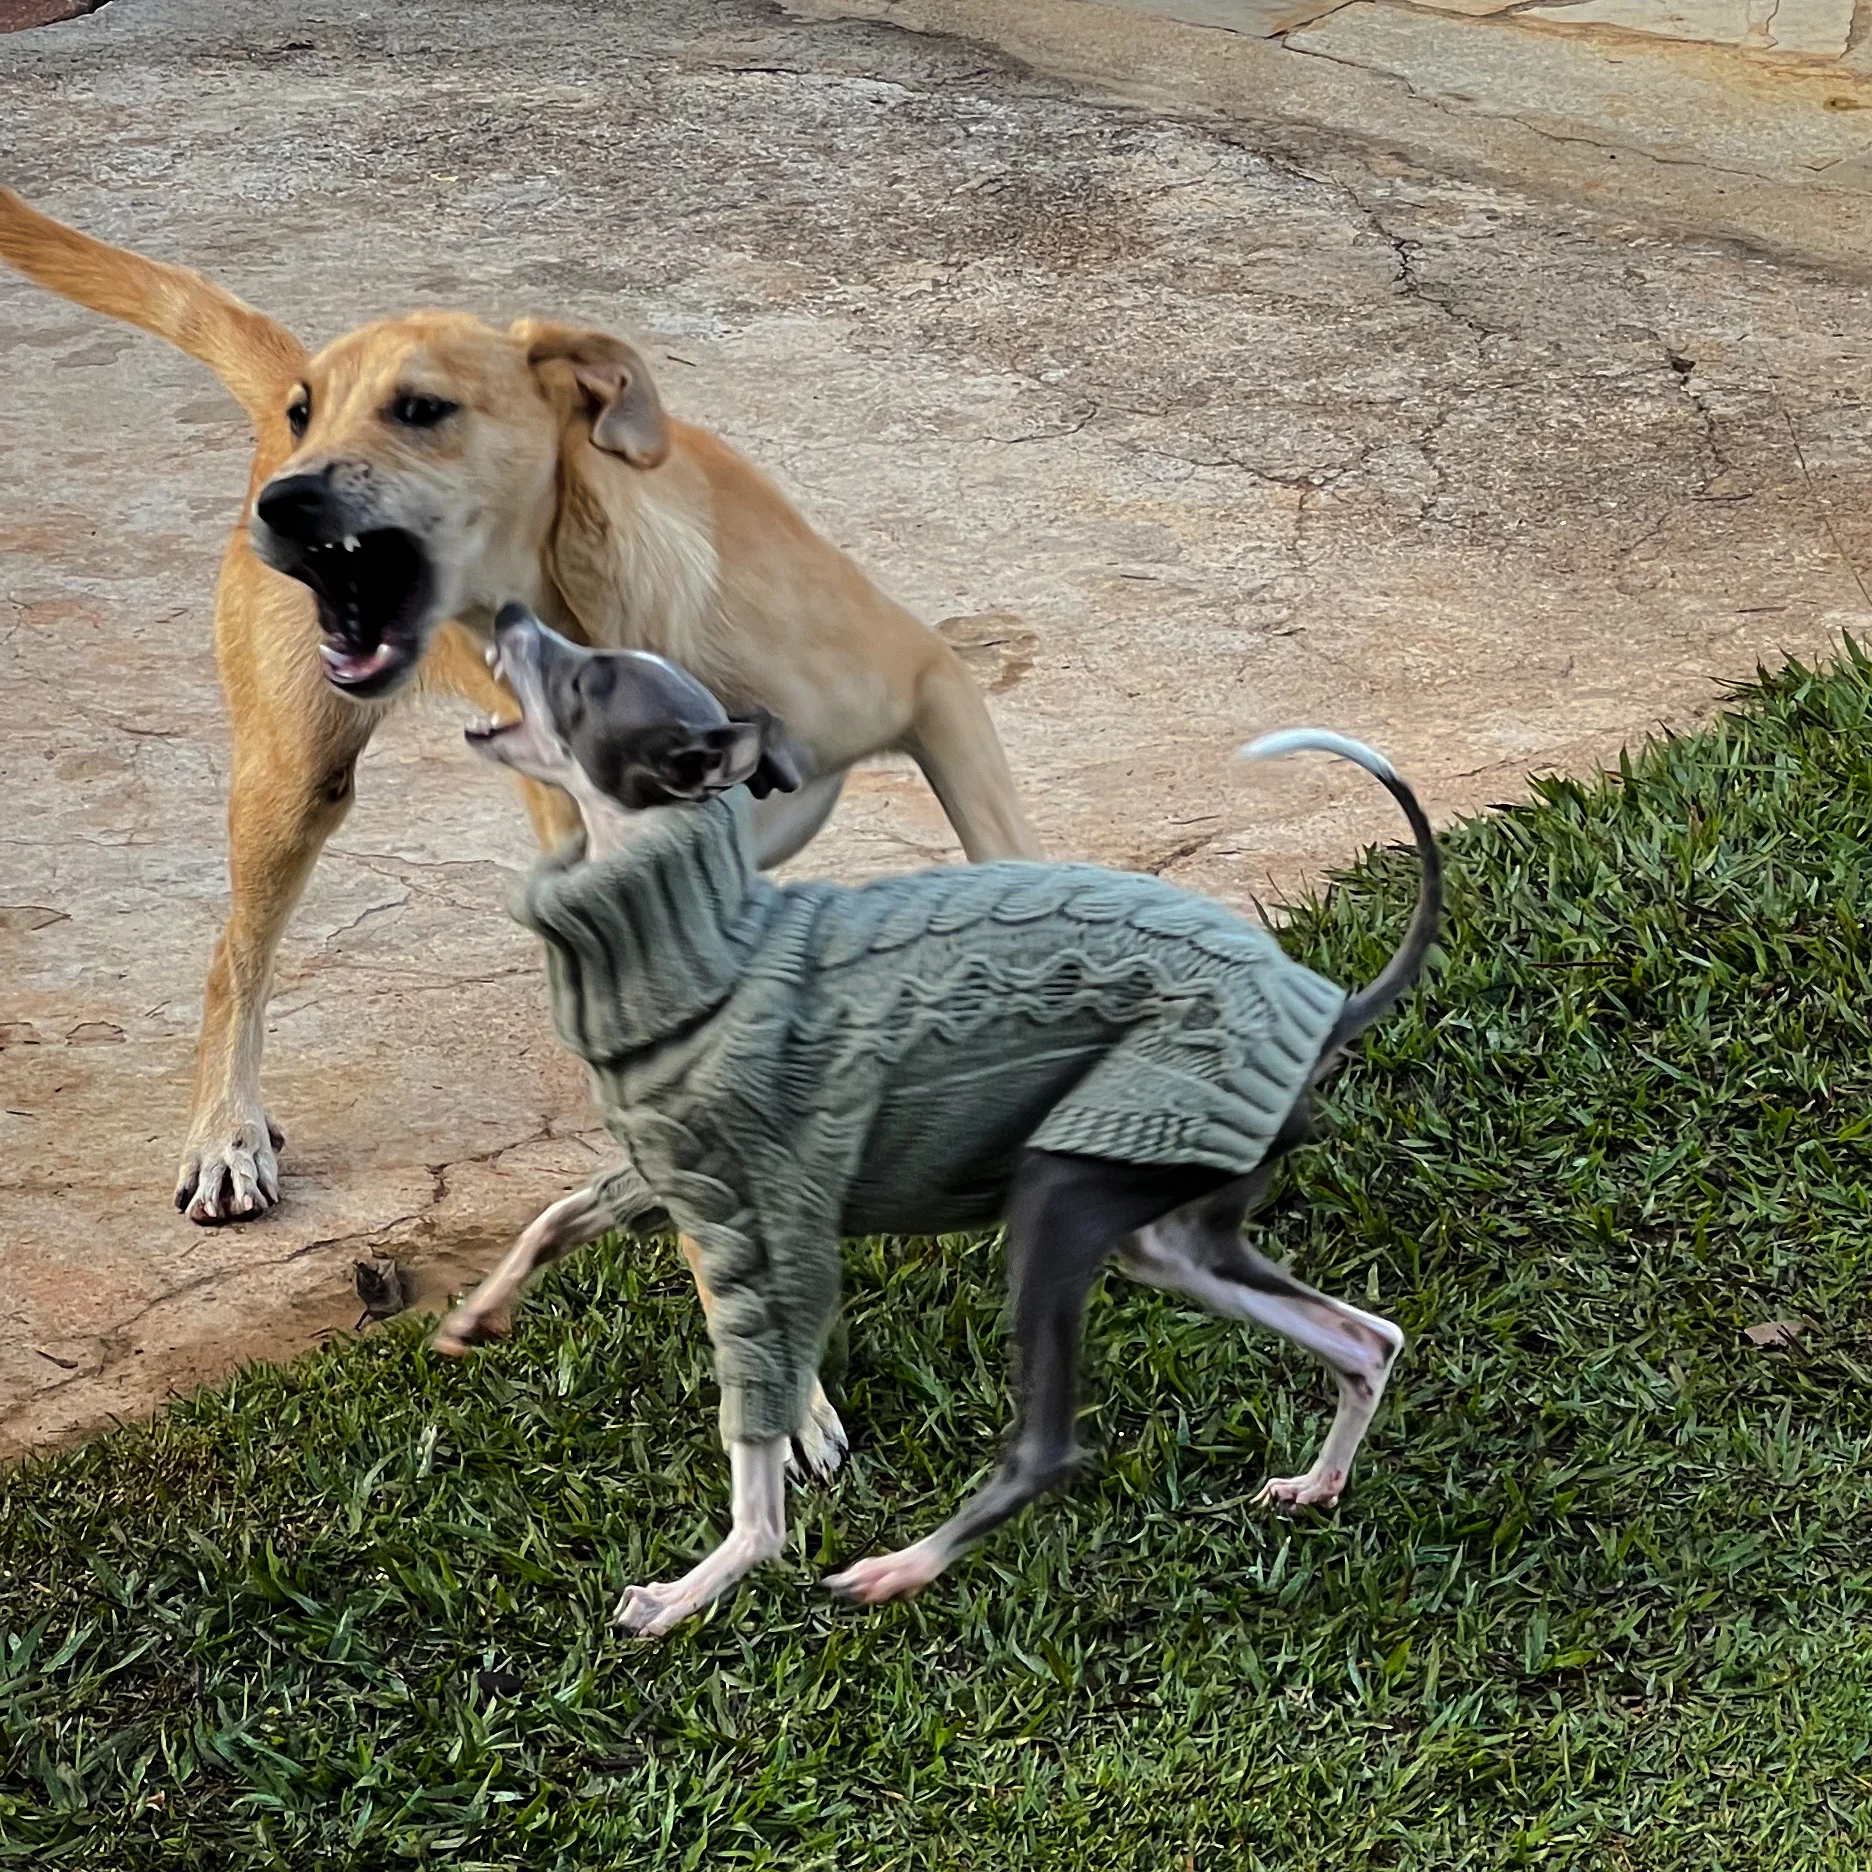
<point x="627" y="417"/>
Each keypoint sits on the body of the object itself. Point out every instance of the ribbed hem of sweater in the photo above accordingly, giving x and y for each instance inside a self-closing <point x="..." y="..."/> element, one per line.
<point x="754" y="1412"/>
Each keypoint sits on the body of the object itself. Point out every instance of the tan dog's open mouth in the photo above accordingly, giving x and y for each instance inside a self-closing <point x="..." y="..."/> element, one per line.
<point x="374" y="592"/>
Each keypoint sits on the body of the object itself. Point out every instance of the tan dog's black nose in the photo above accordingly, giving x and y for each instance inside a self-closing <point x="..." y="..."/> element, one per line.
<point x="298" y="507"/>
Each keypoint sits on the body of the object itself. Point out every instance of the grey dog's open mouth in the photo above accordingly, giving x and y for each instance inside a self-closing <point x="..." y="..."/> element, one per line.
<point x="513" y="660"/>
<point x="374" y="592"/>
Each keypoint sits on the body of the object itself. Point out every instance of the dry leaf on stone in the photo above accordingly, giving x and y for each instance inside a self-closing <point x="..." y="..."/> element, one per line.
<point x="380" y="1285"/>
<point x="996" y="648"/>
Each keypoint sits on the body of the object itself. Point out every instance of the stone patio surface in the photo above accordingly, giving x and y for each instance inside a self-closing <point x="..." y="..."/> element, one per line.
<point x="1493" y="388"/>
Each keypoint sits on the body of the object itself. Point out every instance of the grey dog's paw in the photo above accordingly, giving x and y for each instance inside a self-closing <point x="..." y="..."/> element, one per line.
<point x="1320" y="1487"/>
<point x="819" y="1444"/>
<point x="466" y="1327"/>
<point x="650" y="1611"/>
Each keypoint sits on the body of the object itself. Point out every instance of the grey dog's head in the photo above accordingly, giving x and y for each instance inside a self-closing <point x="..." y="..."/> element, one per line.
<point x="634" y="727"/>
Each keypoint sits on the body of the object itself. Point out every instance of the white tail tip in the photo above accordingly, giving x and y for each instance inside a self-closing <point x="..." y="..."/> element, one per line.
<point x="1317" y="741"/>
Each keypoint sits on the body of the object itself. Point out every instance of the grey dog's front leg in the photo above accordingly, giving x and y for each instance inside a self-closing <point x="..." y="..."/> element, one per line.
<point x="488" y="1312"/>
<point x="758" y="1533"/>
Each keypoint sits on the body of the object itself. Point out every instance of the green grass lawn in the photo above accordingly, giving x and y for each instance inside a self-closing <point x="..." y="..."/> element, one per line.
<point x="1596" y="1597"/>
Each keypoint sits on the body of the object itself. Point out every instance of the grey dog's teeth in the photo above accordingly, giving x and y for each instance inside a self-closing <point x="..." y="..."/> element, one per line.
<point x="350" y="542"/>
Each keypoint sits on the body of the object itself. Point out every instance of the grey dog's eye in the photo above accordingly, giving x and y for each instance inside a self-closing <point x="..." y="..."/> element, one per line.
<point x="421" y="412"/>
<point x="299" y="414"/>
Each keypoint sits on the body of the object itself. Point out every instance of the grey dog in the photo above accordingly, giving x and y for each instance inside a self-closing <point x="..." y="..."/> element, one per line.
<point x="1112" y="1065"/>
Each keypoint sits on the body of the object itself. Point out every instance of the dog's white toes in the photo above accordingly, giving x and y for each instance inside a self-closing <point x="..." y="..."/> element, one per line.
<point x="230" y="1181"/>
<point x="900" y="1575"/>
<point x="820" y="1440"/>
<point x="650" y="1611"/>
<point x="1316" y="1489"/>
<point x="195" y="1195"/>
<point x="465" y="1327"/>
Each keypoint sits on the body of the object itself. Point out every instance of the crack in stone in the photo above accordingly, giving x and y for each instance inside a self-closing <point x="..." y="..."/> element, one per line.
<point x="1684" y="370"/>
<point x="1820" y="507"/>
<point x="322" y="964"/>
<point x="1045" y="435"/>
<point x="929" y="854"/>
<point x="544" y="1135"/>
<point x="1156" y="864"/>
<point x="1409" y="282"/>
<point x="1450" y="107"/>
<point x="367" y="1236"/>
<point x="363" y="916"/>
<point x="114" y="1345"/>
<point x="398" y="871"/>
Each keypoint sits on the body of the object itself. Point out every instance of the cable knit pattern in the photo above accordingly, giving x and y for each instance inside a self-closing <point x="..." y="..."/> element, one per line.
<point x="783" y="1066"/>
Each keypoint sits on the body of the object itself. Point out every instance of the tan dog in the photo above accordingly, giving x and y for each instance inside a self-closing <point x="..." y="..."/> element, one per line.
<point x="409" y="479"/>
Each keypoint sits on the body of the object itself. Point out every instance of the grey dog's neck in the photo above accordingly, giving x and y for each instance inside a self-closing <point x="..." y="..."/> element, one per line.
<point x="608" y="827"/>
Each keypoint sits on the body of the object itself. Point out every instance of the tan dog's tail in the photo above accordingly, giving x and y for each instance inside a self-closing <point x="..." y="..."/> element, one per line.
<point x="258" y="360"/>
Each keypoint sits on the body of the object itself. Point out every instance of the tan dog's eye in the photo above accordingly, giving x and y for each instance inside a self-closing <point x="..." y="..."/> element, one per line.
<point x="299" y="412"/>
<point x="421" y="412"/>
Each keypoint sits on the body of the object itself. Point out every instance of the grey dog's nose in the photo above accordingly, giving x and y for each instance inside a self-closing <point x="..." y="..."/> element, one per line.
<point x="297" y="507"/>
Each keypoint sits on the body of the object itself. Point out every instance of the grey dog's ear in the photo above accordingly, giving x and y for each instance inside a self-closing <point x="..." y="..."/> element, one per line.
<point x="627" y="413"/>
<point x="782" y="764"/>
<point x="693" y="763"/>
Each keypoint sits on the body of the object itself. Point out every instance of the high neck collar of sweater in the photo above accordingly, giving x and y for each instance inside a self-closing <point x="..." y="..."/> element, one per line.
<point x="657" y="932"/>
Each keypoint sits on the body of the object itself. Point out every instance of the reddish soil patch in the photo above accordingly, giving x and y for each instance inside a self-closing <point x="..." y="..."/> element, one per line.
<point x="17" y="15"/>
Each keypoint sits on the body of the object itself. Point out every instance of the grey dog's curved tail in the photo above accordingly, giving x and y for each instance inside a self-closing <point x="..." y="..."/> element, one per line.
<point x="1394" y="980"/>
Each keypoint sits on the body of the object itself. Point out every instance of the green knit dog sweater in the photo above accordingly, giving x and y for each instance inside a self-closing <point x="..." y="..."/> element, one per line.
<point x="787" y="1065"/>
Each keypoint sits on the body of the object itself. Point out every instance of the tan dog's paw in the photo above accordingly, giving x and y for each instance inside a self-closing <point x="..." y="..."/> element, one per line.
<point x="230" y="1171"/>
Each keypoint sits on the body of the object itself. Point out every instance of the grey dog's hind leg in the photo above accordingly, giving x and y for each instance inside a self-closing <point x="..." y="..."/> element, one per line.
<point x="1199" y="1252"/>
<point x="1066" y="1216"/>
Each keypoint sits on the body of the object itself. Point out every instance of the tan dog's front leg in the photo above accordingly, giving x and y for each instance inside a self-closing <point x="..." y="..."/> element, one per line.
<point x="819" y="1443"/>
<point x="953" y="740"/>
<point x="456" y="664"/>
<point x="555" y="815"/>
<point x="284" y="805"/>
